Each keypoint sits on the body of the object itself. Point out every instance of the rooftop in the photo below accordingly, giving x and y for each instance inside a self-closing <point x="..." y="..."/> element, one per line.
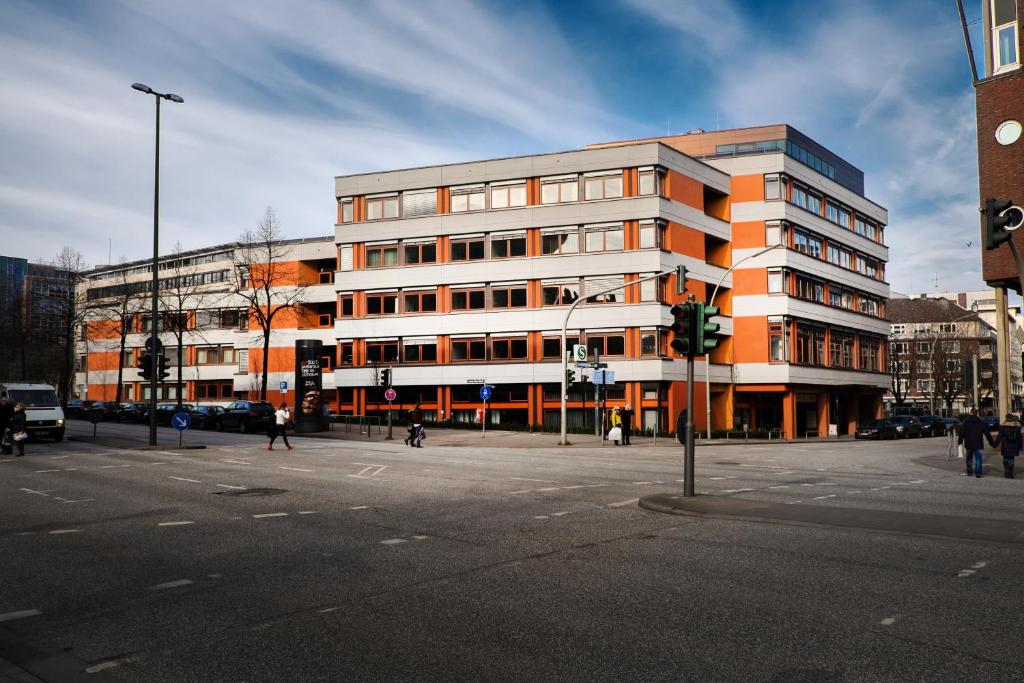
<point x="928" y="310"/>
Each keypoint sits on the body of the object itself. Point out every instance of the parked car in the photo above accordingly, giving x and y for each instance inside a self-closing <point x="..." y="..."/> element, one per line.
<point x="207" y="417"/>
<point x="879" y="429"/>
<point x="133" y="412"/>
<point x="247" y="416"/>
<point x="907" y="427"/>
<point x="75" y="408"/>
<point x="165" y="411"/>
<point x="107" y="410"/>
<point x="951" y="424"/>
<point x="932" y="425"/>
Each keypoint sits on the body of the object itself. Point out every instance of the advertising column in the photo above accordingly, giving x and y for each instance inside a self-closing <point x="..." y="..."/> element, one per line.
<point x="309" y="416"/>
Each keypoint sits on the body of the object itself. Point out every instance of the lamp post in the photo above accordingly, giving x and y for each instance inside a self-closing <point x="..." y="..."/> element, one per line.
<point x="711" y="302"/>
<point x="154" y="340"/>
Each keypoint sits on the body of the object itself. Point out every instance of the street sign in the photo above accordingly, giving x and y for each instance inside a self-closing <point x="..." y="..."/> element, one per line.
<point x="579" y="353"/>
<point x="390" y="394"/>
<point x="604" y="377"/>
<point x="591" y="364"/>
<point x="284" y="386"/>
<point x="181" y="421"/>
<point x="485" y="392"/>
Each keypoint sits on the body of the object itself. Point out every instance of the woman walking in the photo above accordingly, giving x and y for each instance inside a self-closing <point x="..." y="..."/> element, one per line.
<point x="18" y="426"/>
<point x="279" y="427"/>
<point x="1009" y="442"/>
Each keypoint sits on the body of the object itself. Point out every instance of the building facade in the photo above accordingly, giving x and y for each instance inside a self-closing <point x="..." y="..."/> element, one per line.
<point x="461" y="274"/>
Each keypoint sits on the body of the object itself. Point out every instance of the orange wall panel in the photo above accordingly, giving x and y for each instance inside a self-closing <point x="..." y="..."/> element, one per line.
<point x="748" y="188"/>
<point x="685" y="190"/>
<point x="750" y="339"/>
<point x="684" y="240"/>
<point x="748" y="234"/>
<point x="750" y="281"/>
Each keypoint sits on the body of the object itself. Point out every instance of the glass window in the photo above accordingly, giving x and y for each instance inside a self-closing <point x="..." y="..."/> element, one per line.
<point x="468" y="249"/>
<point x="775" y="233"/>
<point x="799" y="196"/>
<point x="773" y="187"/>
<point x="420" y="352"/>
<point x="839" y="257"/>
<point x="421" y="253"/>
<point x="1004" y="30"/>
<point x="381" y="304"/>
<point x="604" y="238"/>
<point x="649" y="345"/>
<point x="561" y="293"/>
<point x="559" y="190"/>
<point x="651" y="234"/>
<point x="776" y="281"/>
<point x="468" y="299"/>
<point x="381" y="257"/>
<point x="345" y="306"/>
<point x="508" y="297"/>
<point x="382" y="352"/>
<point x="509" y="349"/>
<point x="807" y="244"/>
<point x="420" y="302"/>
<point x="603" y="187"/>
<point x="467" y="199"/>
<point x="346" y="210"/>
<point x="567" y="242"/>
<point x="508" y="246"/>
<point x="607" y="344"/>
<point x="469" y="349"/>
<point x="778" y="334"/>
<point x="381" y="207"/>
<point x="345" y="353"/>
<point x="507" y="196"/>
<point x="650" y="181"/>
<point x="551" y="345"/>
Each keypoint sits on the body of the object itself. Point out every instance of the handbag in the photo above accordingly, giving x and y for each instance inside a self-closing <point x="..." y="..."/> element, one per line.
<point x="960" y="450"/>
<point x="20" y="436"/>
<point x="615" y="434"/>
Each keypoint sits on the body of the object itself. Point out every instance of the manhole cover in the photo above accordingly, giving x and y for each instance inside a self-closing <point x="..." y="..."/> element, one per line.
<point x="251" y="493"/>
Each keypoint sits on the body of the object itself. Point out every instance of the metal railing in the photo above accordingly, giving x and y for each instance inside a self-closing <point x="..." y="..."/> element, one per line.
<point x="365" y="423"/>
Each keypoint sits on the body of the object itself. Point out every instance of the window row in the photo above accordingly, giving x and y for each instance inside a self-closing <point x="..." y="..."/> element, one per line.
<point x="792" y="341"/>
<point x="813" y="245"/>
<point x="785" y="281"/>
<point x="780" y="187"/>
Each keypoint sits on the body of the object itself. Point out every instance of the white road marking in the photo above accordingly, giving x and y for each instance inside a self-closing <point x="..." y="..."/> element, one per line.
<point x="793" y="502"/>
<point x="623" y="503"/>
<point x="965" y="572"/>
<point x="550" y="488"/>
<point x="101" y="667"/>
<point x="919" y="481"/>
<point x="229" y="486"/>
<point x="518" y="492"/>
<point x="853" y="491"/>
<point x="170" y="453"/>
<point x="584" y="486"/>
<point x="111" y="467"/>
<point x="157" y="463"/>
<point x="194" y="481"/>
<point x="308" y="512"/>
<point x="780" y="486"/>
<point x="831" y="495"/>
<point x="295" y="469"/>
<point x="559" y="514"/>
<point x="542" y="481"/>
<point x="11" y="616"/>
<point x="80" y="500"/>
<point x="393" y="541"/>
<point x="328" y="609"/>
<point x="979" y="565"/>
<point x="421" y="538"/>
<point x="39" y="493"/>
<point x="182" y="523"/>
<point x="540" y="516"/>
<point x="59" y="457"/>
<point x="359" y="507"/>
<point x="765" y="467"/>
<point x="642" y="483"/>
<point x="736" y="490"/>
<point x="235" y="462"/>
<point x="66" y="531"/>
<point x="888" y="621"/>
<point x="271" y="514"/>
<point x="170" y="584"/>
<point x="47" y="471"/>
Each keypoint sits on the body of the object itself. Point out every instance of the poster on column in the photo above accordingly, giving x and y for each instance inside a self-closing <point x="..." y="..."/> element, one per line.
<point x="308" y="385"/>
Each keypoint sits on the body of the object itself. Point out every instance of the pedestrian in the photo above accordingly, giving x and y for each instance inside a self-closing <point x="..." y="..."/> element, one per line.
<point x="18" y="427"/>
<point x="279" y="427"/>
<point x="627" y="424"/>
<point x="6" y="413"/>
<point x="973" y="432"/>
<point x="615" y="433"/>
<point x="1009" y="439"/>
<point x="415" y="438"/>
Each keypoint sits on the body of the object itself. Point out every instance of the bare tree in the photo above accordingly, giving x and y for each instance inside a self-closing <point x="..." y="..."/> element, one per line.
<point x="118" y="311"/>
<point x="902" y="371"/>
<point x="265" y="281"/>
<point x="63" y="301"/>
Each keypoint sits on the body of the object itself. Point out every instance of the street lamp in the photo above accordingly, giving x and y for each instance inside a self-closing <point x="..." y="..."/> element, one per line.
<point x="711" y="302"/>
<point x="154" y="340"/>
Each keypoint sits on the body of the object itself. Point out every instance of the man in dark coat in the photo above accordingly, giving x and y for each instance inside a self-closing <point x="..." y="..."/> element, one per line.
<point x="627" y="423"/>
<point x="973" y="434"/>
<point x="6" y="413"/>
<point x="1009" y="441"/>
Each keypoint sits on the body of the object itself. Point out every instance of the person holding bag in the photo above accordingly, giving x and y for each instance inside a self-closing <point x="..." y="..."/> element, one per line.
<point x="1009" y="441"/>
<point x="18" y="427"/>
<point x="279" y="427"/>
<point x="615" y="433"/>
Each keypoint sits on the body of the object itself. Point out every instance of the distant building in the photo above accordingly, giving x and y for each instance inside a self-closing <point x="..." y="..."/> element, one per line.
<point x="33" y="306"/>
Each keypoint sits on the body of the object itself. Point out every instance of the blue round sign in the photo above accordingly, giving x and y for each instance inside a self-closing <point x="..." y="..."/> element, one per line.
<point x="181" y="421"/>
<point x="485" y="392"/>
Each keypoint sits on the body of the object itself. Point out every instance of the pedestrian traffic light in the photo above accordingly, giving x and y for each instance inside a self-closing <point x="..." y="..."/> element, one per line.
<point x="683" y="330"/>
<point x="707" y="331"/>
<point x="385" y="377"/>
<point x="1001" y="218"/>
<point x="163" y="367"/>
<point x="570" y="377"/>
<point x="146" y="366"/>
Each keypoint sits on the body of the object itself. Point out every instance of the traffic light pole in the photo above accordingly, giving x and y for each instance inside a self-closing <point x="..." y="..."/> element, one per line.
<point x="156" y="283"/>
<point x="688" y="464"/>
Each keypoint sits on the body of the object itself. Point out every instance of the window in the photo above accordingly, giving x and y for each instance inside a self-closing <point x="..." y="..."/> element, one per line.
<point x="469" y="350"/>
<point x="864" y="227"/>
<point x="561" y="293"/>
<point x="650" y="180"/>
<point x="467" y="198"/>
<point x="831" y="212"/>
<point x="508" y="245"/>
<point x="774" y="187"/>
<point x="778" y="342"/>
<point x="776" y="281"/>
<point x="420" y="302"/>
<point x="839" y="257"/>
<point x="810" y="345"/>
<point x="508" y="296"/>
<point x="381" y="257"/>
<point x="214" y="355"/>
<point x="900" y="347"/>
<point x="869" y="353"/>
<point x="550" y="345"/>
<point x="776" y="233"/>
<point x="128" y="358"/>
<point x="839" y="297"/>
<point x="810" y="290"/>
<point x="613" y="344"/>
<point x="420" y="350"/>
<point x="468" y="249"/>
<point x="1004" y="35"/>
<point x="651" y="290"/>
<point x="898" y="329"/>
<point x="650" y="343"/>
<point x="345" y="257"/>
<point x="951" y="346"/>
<point x="841" y="349"/>
<point x="604" y="186"/>
<point x="468" y="299"/>
<point x="345" y="353"/>
<point x="381" y="207"/>
<point x="560" y="241"/>
<point x="597" y="284"/>
<point x="346" y="205"/>
<point x="514" y="348"/>
<point x="868" y="306"/>
<point x="507" y="195"/>
<point x="382" y="304"/>
<point x="557" y="190"/>
<point x="924" y="386"/>
<point x="345" y="306"/>
<point x="419" y="203"/>
<point x="799" y="196"/>
<point x="807" y="244"/>
<point x="947" y="328"/>
<point x="652" y="234"/>
<point x="924" y="347"/>
<point x="603" y="238"/>
<point x="425" y="252"/>
<point x="382" y="352"/>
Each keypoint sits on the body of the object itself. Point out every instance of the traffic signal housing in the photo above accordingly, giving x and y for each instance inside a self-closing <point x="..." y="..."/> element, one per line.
<point x="570" y="377"/>
<point x="146" y="366"/>
<point x="1001" y="218"/>
<point x="684" y="341"/>
<point x="385" y="377"/>
<point x="163" y="367"/>
<point x="707" y="331"/>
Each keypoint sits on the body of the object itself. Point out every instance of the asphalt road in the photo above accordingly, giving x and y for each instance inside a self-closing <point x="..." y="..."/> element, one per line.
<point x="373" y="561"/>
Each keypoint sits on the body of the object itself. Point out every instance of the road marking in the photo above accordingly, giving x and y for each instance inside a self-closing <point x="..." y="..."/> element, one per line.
<point x="888" y="621"/>
<point x="550" y="488"/>
<point x="170" y="453"/>
<point x="421" y="538"/>
<point x="80" y="500"/>
<point x="328" y="609"/>
<point x="59" y="457"/>
<point x="11" y="616"/>
<point x="979" y="565"/>
<point x="229" y="486"/>
<point x="170" y="584"/>
<point x="66" y="531"/>
<point x="359" y="507"/>
<point x="793" y="502"/>
<point x="542" y="481"/>
<point x="110" y="467"/>
<point x="965" y="572"/>
<point x="780" y="486"/>
<point x="540" y="516"/>
<point x="559" y="514"/>
<point x="765" y="467"/>
<point x="919" y="481"/>
<point x="194" y="481"/>
<point x="831" y="495"/>
<point x="623" y="503"/>
<point x="365" y="472"/>
<point x="235" y="462"/>
<point x="853" y="492"/>
<point x="101" y="667"/>
<point x="47" y="471"/>
<point x="393" y="541"/>
<point x="736" y="490"/>
<point x="518" y="492"/>
<point x="642" y="483"/>
<point x="308" y="512"/>
<point x="584" y="486"/>
<point x="295" y="469"/>
<point x="174" y="523"/>
<point x="39" y="493"/>
<point x="157" y="463"/>
<point x="271" y="514"/>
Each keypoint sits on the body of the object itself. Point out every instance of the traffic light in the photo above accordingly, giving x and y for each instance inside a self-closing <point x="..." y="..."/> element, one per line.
<point x="684" y="342"/>
<point x="570" y="377"/>
<point x="680" y="280"/>
<point x="385" y="377"/>
<point x="1001" y="218"/>
<point x="707" y="331"/>
<point x="146" y="366"/>
<point x="163" y="367"/>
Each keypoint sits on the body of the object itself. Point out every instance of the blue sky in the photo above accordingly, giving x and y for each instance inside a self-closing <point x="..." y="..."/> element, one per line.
<point x="282" y="96"/>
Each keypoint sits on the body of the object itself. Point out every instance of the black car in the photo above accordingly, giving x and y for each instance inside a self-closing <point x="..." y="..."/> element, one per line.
<point x="207" y="417"/>
<point x="75" y="408"/>
<point x="248" y="416"/>
<point x="107" y="410"/>
<point x="165" y="411"/>
<point x="133" y="412"/>
<point x="907" y="427"/>
<point x="932" y="425"/>
<point x="879" y="429"/>
<point x="951" y="424"/>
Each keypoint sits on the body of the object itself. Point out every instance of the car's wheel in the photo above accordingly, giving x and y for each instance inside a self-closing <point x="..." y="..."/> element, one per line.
<point x="243" y="427"/>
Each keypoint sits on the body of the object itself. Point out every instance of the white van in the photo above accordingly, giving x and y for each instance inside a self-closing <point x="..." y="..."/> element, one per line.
<point x="43" y="413"/>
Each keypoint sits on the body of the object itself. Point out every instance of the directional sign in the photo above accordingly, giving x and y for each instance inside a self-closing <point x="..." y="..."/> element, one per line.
<point x="604" y="377"/>
<point x="579" y="353"/>
<point x="390" y="394"/>
<point x="181" y="421"/>
<point x="485" y="392"/>
<point x="284" y="386"/>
